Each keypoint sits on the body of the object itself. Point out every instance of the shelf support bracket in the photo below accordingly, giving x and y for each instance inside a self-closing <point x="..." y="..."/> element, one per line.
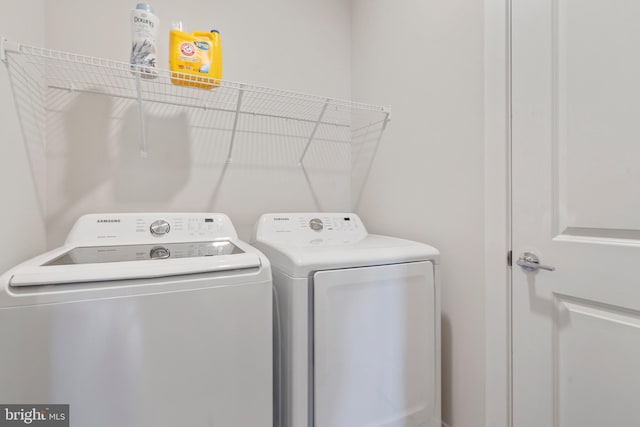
<point x="387" y="119"/>
<point x="385" y="122"/>
<point x="143" y="129"/>
<point x="7" y="46"/>
<point x="235" y="124"/>
<point x="315" y="129"/>
<point x="3" y="49"/>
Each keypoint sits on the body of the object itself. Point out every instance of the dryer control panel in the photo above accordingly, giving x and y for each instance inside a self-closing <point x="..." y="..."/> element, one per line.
<point x="150" y="228"/>
<point x="311" y="228"/>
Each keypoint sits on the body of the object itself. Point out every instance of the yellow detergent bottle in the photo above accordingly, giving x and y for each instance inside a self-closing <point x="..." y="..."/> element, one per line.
<point x="195" y="59"/>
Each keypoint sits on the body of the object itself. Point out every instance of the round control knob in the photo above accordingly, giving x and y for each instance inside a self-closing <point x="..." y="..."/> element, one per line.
<point x="159" y="228"/>
<point x="316" y="224"/>
<point x="159" y="252"/>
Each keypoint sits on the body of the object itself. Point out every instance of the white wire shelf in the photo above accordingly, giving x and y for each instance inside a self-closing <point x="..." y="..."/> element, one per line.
<point x="308" y="118"/>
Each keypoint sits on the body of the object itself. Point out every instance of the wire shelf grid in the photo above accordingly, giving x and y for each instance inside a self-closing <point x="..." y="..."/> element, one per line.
<point x="51" y="80"/>
<point x="63" y="70"/>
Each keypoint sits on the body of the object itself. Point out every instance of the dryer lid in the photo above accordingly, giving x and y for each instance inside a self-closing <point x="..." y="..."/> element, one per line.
<point x="300" y="261"/>
<point x="301" y="243"/>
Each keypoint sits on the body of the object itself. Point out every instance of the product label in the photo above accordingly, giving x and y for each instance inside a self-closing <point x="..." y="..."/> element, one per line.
<point x="143" y="20"/>
<point x="201" y="45"/>
<point x="187" y="49"/>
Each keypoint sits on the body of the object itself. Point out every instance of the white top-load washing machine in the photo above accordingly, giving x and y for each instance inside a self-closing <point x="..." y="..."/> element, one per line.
<point x="359" y="320"/>
<point x="142" y="320"/>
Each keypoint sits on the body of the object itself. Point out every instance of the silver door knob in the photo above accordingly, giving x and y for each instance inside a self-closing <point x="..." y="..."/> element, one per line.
<point x="530" y="262"/>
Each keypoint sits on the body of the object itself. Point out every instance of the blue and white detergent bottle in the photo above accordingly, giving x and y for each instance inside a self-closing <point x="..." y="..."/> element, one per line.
<point x="144" y="31"/>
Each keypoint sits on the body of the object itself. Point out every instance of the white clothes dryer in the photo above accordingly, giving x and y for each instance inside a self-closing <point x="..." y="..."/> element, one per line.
<point x="142" y="320"/>
<point x="359" y="321"/>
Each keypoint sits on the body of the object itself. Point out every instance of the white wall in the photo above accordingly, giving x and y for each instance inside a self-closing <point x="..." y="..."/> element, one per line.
<point x="425" y="58"/>
<point x="92" y="142"/>
<point x="22" y="232"/>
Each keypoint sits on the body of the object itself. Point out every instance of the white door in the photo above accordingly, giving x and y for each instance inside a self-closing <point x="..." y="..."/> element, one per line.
<point x="576" y="205"/>
<point x="374" y="347"/>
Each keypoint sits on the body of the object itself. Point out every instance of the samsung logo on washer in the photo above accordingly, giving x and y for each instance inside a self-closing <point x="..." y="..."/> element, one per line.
<point x="37" y="415"/>
<point x="280" y="219"/>
<point x="110" y="221"/>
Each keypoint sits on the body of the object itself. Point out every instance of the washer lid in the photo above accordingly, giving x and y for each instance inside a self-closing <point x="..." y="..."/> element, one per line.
<point x="123" y="253"/>
<point x="109" y="263"/>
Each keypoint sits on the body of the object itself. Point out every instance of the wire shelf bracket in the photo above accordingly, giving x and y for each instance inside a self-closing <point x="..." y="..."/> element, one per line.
<point x="3" y="53"/>
<point x="235" y="124"/>
<point x="315" y="129"/>
<point x="143" y="128"/>
<point x="385" y="122"/>
<point x="7" y="46"/>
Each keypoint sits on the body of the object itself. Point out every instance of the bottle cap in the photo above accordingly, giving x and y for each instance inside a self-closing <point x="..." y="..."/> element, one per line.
<point x="146" y="7"/>
<point x="215" y="31"/>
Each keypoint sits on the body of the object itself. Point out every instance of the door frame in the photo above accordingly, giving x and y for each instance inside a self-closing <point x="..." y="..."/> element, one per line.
<point x="497" y="160"/>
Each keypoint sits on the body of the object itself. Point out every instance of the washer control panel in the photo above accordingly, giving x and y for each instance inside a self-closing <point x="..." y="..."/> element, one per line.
<point x="130" y="228"/>
<point x="311" y="228"/>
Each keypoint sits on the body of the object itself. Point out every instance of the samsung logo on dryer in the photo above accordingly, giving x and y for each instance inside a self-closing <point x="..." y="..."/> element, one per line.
<point x="107" y="221"/>
<point x="281" y="219"/>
